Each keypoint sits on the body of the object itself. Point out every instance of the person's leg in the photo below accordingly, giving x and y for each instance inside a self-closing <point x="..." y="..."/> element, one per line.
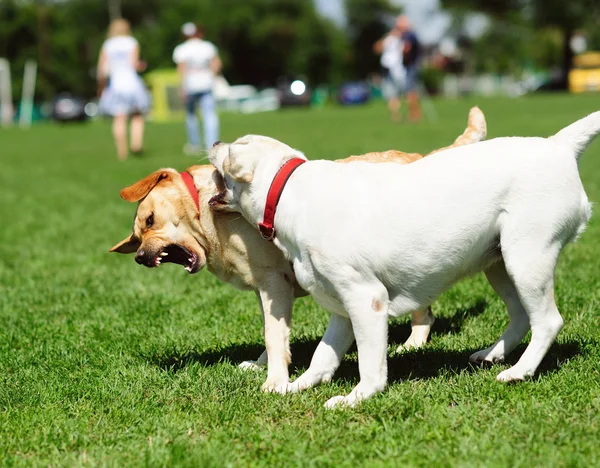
<point x="394" y="105"/>
<point x="210" y="119"/>
<point x="412" y="96"/>
<point x="137" y="133"/>
<point x="191" y="122"/>
<point x="120" y="134"/>
<point x="389" y="90"/>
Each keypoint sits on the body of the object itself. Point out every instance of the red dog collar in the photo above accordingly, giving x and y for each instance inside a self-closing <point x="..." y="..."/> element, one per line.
<point x="189" y="183"/>
<point x="267" y="228"/>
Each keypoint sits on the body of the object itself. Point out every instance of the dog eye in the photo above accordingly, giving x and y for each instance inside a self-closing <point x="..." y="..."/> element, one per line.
<point x="150" y="221"/>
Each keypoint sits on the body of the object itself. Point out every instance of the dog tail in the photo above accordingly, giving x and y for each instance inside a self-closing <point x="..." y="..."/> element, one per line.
<point x="476" y="130"/>
<point x="579" y="135"/>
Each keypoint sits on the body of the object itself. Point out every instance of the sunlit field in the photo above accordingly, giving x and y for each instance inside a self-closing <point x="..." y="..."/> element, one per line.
<point x="105" y="362"/>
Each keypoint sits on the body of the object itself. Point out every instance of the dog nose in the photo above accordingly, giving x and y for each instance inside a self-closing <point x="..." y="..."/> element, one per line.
<point x="139" y="256"/>
<point x="216" y="143"/>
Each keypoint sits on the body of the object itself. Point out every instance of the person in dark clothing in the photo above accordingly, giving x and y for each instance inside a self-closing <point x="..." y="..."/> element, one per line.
<point x="411" y="56"/>
<point x="400" y="54"/>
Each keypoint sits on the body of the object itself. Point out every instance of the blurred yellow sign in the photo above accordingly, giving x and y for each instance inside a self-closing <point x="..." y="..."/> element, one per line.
<point x="166" y="103"/>
<point x="585" y="74"/>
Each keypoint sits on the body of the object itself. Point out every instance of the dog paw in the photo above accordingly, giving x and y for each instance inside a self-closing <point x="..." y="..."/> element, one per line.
<point x="513" y="375"/>
<point x="275" y="387"/>
<point x="297" y="386"/>
<point x="485" y="356"/>
<point x="341" y="401"/>
<point x="251" y="366"/>
<point x="410" y="345"/>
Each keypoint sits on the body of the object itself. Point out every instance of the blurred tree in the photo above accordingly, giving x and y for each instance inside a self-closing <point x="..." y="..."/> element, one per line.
<point x="259" y="40"/>
<point x="502" y="48"/>
<point x="565" y="16"/>
<point x="368" y="21"/>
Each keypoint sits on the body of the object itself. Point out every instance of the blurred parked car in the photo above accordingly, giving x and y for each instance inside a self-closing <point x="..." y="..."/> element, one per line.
<point x="354" y="92"/>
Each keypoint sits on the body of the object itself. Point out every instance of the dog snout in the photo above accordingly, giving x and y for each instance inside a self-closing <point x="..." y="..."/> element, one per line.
<point x="140" y="256"/>
<point x="216" y="143"/>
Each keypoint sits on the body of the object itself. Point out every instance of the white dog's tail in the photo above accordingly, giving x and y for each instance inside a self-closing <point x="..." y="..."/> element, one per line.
<point x="579" y="135"/>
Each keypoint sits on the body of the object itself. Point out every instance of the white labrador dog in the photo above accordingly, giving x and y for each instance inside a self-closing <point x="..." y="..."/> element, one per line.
<point x="507" y="207"/>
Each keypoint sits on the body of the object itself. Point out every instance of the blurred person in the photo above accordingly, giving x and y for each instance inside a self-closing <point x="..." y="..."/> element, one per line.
<point x="393" y="72"/>
<point x="122" y="91"/>
<point x="401" y="45"/>
<point x="197" y="64"/>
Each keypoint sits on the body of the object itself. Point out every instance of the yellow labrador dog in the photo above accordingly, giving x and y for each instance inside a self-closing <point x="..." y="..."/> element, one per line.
<point x="173" y="224"/>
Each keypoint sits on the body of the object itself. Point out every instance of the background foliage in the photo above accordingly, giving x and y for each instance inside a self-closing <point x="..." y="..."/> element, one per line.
<point x="262" y="40"/>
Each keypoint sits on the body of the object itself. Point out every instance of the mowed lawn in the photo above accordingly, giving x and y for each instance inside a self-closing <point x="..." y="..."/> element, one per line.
<point x="104" y="362"/>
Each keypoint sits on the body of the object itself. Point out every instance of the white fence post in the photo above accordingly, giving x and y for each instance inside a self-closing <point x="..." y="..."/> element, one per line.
<point x="29" y="79"/>
<point x="6" y="107"/>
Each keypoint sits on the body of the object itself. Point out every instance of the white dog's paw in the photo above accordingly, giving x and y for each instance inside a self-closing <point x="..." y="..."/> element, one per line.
<point x="251" y="366"/>
<point x="514" y="374"/>
<point x="486" y="356"/>
<point x="298" y="385"/>
<point x="341" y="401"/>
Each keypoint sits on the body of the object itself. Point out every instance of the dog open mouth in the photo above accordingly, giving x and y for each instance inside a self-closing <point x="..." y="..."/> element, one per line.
<point x="180" y="255"/>
<point x="218" y="200"/>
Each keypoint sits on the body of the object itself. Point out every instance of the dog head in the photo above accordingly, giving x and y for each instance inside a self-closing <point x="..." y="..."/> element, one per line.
<point x="166" y="226"/>
<point x="244" y="161"/>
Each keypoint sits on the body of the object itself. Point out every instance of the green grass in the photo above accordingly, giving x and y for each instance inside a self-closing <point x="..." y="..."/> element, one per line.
<point x="103" y="362"/>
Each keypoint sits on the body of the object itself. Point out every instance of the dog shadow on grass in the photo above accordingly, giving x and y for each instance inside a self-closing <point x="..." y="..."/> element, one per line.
<point x="407" y="365"/>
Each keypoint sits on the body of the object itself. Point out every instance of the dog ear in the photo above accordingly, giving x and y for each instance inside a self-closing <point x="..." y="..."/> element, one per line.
<point x="237" y="170"/>
<point x="142" y="188"/>
<point x="128" y="245"/>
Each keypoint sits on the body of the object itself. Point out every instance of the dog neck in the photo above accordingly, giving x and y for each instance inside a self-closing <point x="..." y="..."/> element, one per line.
<point x="189" y="183"/>
<point x="212" y="230"/>
<point x="267" y="225"/>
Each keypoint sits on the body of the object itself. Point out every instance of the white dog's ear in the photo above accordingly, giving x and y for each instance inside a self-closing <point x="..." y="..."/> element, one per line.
<point x="239" y="169"/>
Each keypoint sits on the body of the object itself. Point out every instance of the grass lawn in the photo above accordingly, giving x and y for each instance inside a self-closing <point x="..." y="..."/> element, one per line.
<point x="104" y="362"/>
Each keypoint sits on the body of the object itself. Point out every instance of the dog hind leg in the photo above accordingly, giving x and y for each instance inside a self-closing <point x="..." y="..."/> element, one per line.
<point x="421" y="323"/>
<point x="257" y="365"/>
<point x="519" y="322"/>
<point x="367" y="306"/>
<point x="531" y="268"/>
<point x="327" y="357"/>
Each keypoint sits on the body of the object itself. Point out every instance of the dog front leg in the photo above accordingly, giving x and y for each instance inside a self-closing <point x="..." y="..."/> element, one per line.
<point x="328" y="355"/>
<point x="367" y="307"/>
<point x="276" y="300"/>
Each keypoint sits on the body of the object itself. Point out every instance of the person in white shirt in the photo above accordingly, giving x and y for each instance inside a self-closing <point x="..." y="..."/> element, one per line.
<point x="125" y="94"/>
<point x="393" y="71"/>
<point x="400" y="58"/>
<point x="197" y="64"/>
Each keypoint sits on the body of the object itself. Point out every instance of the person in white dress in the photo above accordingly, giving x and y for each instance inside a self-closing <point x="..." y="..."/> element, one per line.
<point x="197" y="64"/>
<point x="125" y="95"/>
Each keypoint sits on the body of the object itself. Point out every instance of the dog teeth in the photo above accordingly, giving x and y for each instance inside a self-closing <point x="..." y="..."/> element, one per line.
<point x="163" y="254"/>
<point x="188" y="269"/>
